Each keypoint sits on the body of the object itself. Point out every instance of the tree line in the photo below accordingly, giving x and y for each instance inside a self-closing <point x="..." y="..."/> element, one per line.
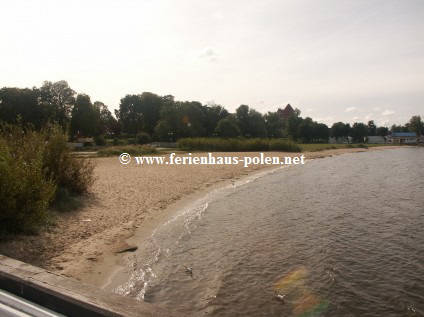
<point x="153" y="117"/>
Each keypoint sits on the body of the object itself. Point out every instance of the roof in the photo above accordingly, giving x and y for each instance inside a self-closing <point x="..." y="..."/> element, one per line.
<point x="404" y="134"/>
<point x="287" y="112"/>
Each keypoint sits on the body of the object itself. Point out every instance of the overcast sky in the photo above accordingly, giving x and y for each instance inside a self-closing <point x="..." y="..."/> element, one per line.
<point x="335" y="60"/>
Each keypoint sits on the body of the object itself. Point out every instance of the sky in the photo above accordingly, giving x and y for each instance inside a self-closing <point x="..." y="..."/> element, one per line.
<point x="335" y="60"/>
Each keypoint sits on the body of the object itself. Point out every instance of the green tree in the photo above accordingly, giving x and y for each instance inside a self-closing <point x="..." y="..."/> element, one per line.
<point x="340" y="130"/>
<point x="57" y="100"/>
<point x="293" y="125"/>
<point x="213" y="114"/>
<point x="306" y="130"/>
<point x="372" y="128"/>
<point x="227" y="128"/>
<point x="382" y="131"/>
<point x="140" y="112"/>
<point x="322" y="132"/>
<point x="107" y="123"/>
<point x="163" y="131"/>
<point x="85" y="117"/>
<point x="416" y="125"/>
<point x="130" y="114"/>
<point x="242" y="117"/>
<point x="273" y="125"/>
<point x="399" y="128"/>
<point x="250" y="122"/>
<point x="359" y="132"/>
<point x="22" y="103"/>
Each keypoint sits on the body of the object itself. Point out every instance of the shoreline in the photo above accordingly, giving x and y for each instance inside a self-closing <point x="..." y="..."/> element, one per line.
<point x="125" y="210"/>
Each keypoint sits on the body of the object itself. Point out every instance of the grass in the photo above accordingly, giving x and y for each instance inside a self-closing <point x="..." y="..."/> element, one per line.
<point x="236" y="145"/>
<point x="130" y="149"/>
<point x="321" y="147"/>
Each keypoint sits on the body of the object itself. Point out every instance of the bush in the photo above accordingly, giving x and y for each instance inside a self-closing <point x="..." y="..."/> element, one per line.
<point x="34" y="167"/>
<point x="142" y="138"/>
<point x="100" y="140"/>
<point x="132" y="150"/>
<point x="68" y="171"/>
<point x="284" y="146"/>
<point x="26" y="190"/>
<point x="236" y="145"/>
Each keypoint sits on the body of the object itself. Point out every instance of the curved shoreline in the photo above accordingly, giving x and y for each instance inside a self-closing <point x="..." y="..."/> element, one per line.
<point x="127" y="204"/>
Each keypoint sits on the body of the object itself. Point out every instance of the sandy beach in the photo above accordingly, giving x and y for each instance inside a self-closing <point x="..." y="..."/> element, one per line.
<point x="126" y="203"/>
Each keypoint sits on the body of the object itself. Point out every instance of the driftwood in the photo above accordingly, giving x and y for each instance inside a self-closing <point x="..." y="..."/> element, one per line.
<point x="130" y="249"/>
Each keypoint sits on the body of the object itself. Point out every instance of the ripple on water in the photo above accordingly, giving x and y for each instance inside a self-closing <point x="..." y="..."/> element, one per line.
<point x="341" y="236"/>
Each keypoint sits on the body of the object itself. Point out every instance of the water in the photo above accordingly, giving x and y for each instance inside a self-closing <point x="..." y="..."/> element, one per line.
<point x="341" y="236"/>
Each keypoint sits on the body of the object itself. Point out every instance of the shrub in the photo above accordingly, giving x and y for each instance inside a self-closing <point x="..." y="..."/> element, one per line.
<point x="68" y="171"/>
<point x="26" y="190"/>
<point x="284" y="146"/>
<point x="362" y="146"/>
<point x="236" y="145"/>
<point x="132" y="150"/>
<point x="100" y="140"/>
<point x="142" y="138"/>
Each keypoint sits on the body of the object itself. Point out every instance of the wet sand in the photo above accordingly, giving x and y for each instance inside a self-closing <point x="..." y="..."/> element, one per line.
<point x="127" y="202"/>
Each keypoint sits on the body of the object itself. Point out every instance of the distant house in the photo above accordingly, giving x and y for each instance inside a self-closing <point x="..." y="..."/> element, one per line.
<point x="403" y="138"/>
<point x="286" y="113"/>
<point x="376" y="139"/>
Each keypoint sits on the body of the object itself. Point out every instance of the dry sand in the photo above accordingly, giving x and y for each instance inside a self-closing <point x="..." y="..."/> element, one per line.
<point x="126" y="201"/>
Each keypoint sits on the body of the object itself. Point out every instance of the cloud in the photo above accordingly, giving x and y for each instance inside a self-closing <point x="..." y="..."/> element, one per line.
<point x="351" y="109"/>
<point x="368" y="117"/>
<point x="327" y="120"/>
<point x="310" y="110"/>
<point x="388" y="113"/>
<point x="384" y="122"/>
<point x="355" y="118"/>
<point x="208" y="54"/>
<point x="377" y="108"/>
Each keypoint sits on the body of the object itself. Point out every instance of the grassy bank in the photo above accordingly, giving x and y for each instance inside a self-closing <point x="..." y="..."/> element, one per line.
<point x="130" y="149"/>
<point x="236" y="145"/>
<point x="321" y="147"/>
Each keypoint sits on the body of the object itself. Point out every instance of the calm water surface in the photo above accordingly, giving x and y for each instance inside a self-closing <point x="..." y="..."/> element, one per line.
<point x="341" y="236"/>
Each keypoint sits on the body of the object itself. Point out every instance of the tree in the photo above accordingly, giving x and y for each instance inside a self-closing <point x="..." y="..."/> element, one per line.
<point x="359" y="132"/>
<point x="273" y="125"/>
<point x="140" y="112"/>
<point x="372" y="128"/>
<point x="416" y="125"/>
<point x="399" y="128"/>
<point x="227" y="128"/>
<point x="321" y="132"/>
<point x="250" y="122"/>
<point x="163" y="131"/>
<point x="340" y="130"/>
<point x="22" y="103"/>
<point x="213" y="114"/>
<point x="107" y="123"/>
<point x="130" y="115"/>
<point x="57" y="100"/>
<point x="382" y="131"/>
<point x="256" y="124"/>
<point x="191" y="119"/>
<point x="242" y="117"/>
<point x="85" y="117"/>
<point x="293" y="125"/>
